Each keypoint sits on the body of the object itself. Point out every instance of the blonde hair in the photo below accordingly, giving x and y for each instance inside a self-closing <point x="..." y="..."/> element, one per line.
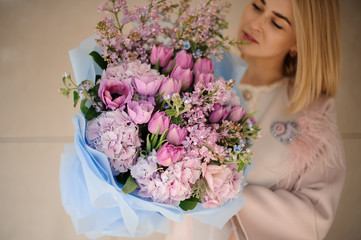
<point x="317" y="66"/>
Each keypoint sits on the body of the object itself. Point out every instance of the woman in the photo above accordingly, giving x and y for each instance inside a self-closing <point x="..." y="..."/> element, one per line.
<point x="293" y="72"/>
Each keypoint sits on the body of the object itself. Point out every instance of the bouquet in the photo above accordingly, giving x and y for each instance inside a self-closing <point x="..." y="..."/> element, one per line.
<point x="159" y="134"/>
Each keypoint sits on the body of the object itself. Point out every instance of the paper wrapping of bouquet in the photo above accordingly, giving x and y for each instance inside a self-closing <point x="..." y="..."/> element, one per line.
<point x="94" y="200"/>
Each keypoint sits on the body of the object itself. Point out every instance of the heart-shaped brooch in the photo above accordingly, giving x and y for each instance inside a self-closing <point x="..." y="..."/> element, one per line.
<point x="286" y="132"/>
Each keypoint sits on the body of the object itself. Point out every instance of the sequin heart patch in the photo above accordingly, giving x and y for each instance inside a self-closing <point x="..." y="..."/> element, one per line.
<point x="286" y="132"/>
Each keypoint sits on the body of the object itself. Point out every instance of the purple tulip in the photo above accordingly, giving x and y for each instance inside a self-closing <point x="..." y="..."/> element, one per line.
<point x="140" y="112"/>
<point x="185" y="76"/>
<point x="203" y="78"/>
<point x="169" y="87"/>
<point x="184" y="60"/>
<point x="203" y="65"/>
<point x="176" y="134"/>
<point x="147" y="85"/>
<point x="237" y="113"/>
<point x="161" y="54"/>
<point x="219" y="113"/>
<point x="169" y="154"/>
<point x="168" y="67"/>
<point x="159" y="121"/>
<point x="115" y="93"/>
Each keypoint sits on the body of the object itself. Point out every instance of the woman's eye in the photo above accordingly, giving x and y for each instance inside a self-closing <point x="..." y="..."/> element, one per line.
<point x="276" y="25"/>
<point x="255" y="6"/>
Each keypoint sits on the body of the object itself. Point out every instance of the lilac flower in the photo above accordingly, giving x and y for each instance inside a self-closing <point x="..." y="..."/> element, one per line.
<point x="114" y="134"/>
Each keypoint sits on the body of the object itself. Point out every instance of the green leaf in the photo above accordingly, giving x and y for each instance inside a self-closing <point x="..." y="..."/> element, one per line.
<point x="130" y="185"/>
<point x="122" y="177"/>
<point x="76" y="98"/>
<point x="97" y="77"/>
<point x="91" y="113"/>
<point x="203" y="48"/>
<point x="177" y="120"/>
<point x="148" y="145"/>
<point x="193" y="46"/>
<point x="189" y="203"/>
<point x="171" y="112"/>
<point x="240" y="166"/>
<point x="83" y="107"/>
<point x="157" y="66"/>
<point x="98" y="59"/>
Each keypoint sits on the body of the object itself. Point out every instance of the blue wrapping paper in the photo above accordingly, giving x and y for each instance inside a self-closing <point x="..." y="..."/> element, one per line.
<point x="92" y="197"/>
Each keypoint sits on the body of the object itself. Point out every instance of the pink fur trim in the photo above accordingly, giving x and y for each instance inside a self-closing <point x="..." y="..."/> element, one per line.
<point x="318" y="140"/>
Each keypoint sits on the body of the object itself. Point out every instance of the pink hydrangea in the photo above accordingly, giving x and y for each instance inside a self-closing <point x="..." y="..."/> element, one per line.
<point x="169" y="186"/>
<point x="224" y="183"/>
<point x="114" y="134"/>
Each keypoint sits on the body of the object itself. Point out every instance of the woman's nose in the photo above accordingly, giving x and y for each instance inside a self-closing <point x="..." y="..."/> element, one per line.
<point x="258" y="23"/>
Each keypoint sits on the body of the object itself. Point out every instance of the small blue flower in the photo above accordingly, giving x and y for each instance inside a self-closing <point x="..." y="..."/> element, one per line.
<point x="186" y="45"/>
<point x="237" y="148"/>
<point x="242" y="142"/>
<point x="166" y="106"/>
<point x="198" y="53"/>
<point x="186" y="100"/>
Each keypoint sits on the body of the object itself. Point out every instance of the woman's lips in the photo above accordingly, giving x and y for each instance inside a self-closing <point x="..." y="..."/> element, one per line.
<point x="248" y="37"/>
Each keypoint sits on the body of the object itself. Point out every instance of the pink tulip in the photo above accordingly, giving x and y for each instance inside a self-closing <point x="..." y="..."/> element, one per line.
<point x="237" y="113"/>
<point x="176" y="134"/>
<point x="169" y="154"/>
<point x="159" y="121"/>
<point x="203" y="65"/>
<point x="184" y="60"/>
<point x="168" y="67"/>
<point x="169" y="86"/>
<point x="161" y="54"/>
<point x="115" y="93"/>
<point x="185" y="76"/>
<point x="203" y="78"/>
<point x="140" y="112"/>
<point x="147" y="85"/>
<point x="219" y="113"/>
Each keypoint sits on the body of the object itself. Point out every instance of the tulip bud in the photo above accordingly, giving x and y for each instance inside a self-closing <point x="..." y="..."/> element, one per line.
<point x="237" y="113"/>
<point x="203" y="65"/>
<point x="218" y="114"/>
<point x="159" y="121"/>
<point x="184" y="60"/>
<point x="169" y="154"/>
<point x="140" y="112"/>
<point x="203" y="78"/>
<point x="185" y="76"/>
<point x="169" y="86"/>
<point x="161" y="54"/>
<point x="176" y="134"/>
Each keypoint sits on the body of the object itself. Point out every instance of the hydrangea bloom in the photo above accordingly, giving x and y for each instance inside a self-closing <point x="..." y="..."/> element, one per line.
<point x="170" y="186"/>
<point x="114" y="134"/>
<point x="224" y="183"/>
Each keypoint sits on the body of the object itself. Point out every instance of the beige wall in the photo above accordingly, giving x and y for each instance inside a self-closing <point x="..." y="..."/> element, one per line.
<point x="36" y="121"/>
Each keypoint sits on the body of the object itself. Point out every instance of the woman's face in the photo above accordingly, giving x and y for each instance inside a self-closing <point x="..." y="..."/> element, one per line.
<point x="269" y="27"/>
